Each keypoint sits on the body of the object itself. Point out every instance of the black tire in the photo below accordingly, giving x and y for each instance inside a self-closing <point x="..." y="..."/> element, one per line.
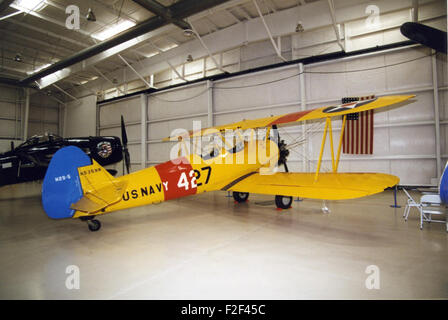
<point x="94" y="225"/>
<point x="283" y="202"/>
<point x="240" y="196"/>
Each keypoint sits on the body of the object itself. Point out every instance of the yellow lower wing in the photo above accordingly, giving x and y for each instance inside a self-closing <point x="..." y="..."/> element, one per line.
<point x="329" y="186"/>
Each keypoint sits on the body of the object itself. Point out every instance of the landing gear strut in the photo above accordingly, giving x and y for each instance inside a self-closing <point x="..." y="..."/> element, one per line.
<point x="283" y="202"/>
<point x="92" y="224"/>
<point x="240" y="196"/>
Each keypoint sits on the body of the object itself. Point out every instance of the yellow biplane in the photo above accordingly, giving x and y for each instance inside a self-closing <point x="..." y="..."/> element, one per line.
<point x="77" y="187"/>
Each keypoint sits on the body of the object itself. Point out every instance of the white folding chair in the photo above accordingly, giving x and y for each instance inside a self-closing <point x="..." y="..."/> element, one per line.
<point x="431" y="204"/>
<point x="410" y="204"/>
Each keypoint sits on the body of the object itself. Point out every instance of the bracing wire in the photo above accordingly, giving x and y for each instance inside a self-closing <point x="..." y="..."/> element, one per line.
<point x="260" y="84"/>
<point x="324" y="72"/>
<point x="373" y="68"/>
<point x="310" y="132"/>
<point x="180" y="100"/>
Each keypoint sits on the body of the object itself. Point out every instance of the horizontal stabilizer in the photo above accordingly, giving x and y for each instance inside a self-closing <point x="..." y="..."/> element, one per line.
<point x="100" y="189"/>
<point x="329" y="186"/>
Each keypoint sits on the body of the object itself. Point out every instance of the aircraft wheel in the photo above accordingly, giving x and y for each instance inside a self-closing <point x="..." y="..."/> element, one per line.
<point x="94" y="225"/>
<point x="240" y="196"/>
<point x="283" y="202"/>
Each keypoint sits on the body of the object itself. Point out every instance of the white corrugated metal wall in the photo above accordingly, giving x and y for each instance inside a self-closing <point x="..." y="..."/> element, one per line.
<point x="109" y="125"/>
<point x="11" y="102"/>
<point x="43" y="116"/>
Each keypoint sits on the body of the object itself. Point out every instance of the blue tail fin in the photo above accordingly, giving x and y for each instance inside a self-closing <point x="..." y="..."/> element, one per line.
<point x="443" y="187"/>
<point x="61" y="186"/>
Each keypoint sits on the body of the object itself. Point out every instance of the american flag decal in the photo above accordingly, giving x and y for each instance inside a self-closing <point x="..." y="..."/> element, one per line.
<point x="358" y="134"/>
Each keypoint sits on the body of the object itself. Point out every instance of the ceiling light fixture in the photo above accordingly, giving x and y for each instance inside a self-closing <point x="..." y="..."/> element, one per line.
<point x="113" y="30"/>
<point x="18" y="57"/>
<point x="188" y="32"/>
<point x="90" y="16"/>
<point x="30" y="5"/>
<point x="299" y="27"/>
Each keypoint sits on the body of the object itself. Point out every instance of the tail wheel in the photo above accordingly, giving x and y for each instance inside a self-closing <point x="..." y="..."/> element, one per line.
<point x="94" y="225"/>
<point x="240" y="196"/>
<point x="283" y="202"/>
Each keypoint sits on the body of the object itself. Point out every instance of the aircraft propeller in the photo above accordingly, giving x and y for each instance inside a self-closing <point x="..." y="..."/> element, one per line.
<point x="283" y="150"/>
<point x="124" y="141"/>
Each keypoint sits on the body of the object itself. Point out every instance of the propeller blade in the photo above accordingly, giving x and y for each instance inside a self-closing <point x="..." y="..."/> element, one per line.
<point x="124" y="136"/>
<point x="127" y="159"/>
<point x="124" y="141"/>
<point x="286" y="167"/>
<point x="284" y="152"/>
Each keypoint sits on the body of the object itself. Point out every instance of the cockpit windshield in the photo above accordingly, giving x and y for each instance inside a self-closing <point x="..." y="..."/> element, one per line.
<point x="207" y="147"/>
<point x="210" y="146"/>
<point x="40" y="139"/>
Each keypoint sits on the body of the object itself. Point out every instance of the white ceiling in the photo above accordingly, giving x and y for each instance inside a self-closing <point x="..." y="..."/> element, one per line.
<point x="41" y="37"/>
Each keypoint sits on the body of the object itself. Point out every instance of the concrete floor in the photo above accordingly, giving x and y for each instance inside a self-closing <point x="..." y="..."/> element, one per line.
<point x="207" y="247"/>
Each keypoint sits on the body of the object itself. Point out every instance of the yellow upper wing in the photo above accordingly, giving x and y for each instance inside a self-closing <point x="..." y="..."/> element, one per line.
<point x="319" y="113"/>
<point x="329" y="186"/>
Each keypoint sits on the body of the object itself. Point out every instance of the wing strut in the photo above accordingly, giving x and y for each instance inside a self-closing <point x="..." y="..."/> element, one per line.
<point x="344" y="119"/>
<point x="327" y="121"/>
<point x="334" y="163"/>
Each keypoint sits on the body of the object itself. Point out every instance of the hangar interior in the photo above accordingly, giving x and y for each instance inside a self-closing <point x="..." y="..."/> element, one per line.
<point x="241" y="59"/>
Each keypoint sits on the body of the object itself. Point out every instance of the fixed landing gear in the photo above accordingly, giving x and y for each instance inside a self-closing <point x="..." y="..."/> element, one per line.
<point x="283" y="202"/>
<point x="240" y="196"/>
<point x="92" y="224"/>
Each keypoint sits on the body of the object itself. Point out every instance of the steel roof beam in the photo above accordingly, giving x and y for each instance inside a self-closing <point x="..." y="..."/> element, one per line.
<point x="135" y="71"/>
<point x="276" y="48"/>
<point x="65" y="92"/>
<point x="107" y="79"/>
<point x="48" y="45"/>
<point x="179" y="10"/>
<point x="231" y="15"/>
<point x="64" y="73"/>
<point x="335" y="27"/>
<point x="167" y="61"/>
<point x="415" y="10"/>
<point x="49" y="19"/>
<point x="48" y="33"/>
<point x="165" y="13"/>
<point x="5" y="4"/>
<point x="111" y="10"/>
